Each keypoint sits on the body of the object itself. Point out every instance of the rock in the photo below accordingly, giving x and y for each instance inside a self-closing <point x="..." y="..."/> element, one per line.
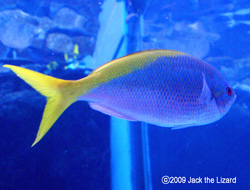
<point x="192" y="38"/>
<point x="228" y="72"/>
<point x="17" y="28"/>
<point x="67" y="18"/>
<point x="60" y="43"/>
<point x="45" y="24"/>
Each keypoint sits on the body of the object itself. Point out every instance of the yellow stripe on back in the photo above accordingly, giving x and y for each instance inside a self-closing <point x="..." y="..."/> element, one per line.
<point x="125" y="65"/>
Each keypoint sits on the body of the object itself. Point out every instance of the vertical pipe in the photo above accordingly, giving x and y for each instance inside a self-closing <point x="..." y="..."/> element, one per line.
<point x="146" y="157"/>
<point x="111" y="44"/>
<point x="120" y="155"/>
<point x="144" y="126"/>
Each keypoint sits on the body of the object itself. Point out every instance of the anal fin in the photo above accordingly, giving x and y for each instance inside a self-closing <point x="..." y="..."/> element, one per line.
<point x="108" y="111"/>
<point x="182" y="126"/>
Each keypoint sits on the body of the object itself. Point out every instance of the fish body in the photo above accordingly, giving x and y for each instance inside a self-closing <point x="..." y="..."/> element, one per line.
<point x="162" y="87"/>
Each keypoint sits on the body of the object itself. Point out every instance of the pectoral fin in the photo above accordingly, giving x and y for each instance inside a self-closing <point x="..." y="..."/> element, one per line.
<point x="206" y="95"/>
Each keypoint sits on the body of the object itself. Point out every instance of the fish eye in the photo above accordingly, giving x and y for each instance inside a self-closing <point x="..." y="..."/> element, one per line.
<point x="229" y="91"/>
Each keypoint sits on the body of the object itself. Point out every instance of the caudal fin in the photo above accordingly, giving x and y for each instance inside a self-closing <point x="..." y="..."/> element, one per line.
<point x="60" y="95"/>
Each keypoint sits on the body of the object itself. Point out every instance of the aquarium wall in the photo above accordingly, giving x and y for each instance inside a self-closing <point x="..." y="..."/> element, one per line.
<point x="87" y="149"/>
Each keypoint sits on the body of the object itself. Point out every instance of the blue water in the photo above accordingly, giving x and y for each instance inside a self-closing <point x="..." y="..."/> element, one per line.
<point x="79" y="150"/>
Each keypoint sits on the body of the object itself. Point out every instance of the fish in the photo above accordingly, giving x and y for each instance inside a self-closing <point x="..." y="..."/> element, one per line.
<point x="161" y="87"/>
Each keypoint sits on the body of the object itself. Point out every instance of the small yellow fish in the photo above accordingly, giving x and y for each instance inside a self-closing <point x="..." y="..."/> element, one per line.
<point x="66" y="57"/>
<point x="52" y="65"/>
<point x="76" y="51"/>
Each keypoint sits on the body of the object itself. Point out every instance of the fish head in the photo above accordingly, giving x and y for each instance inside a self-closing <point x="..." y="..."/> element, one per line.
<point x="224" y="95"/>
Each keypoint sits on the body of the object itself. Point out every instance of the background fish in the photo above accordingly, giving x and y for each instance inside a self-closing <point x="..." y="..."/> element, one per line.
<point x="162" y="87"/>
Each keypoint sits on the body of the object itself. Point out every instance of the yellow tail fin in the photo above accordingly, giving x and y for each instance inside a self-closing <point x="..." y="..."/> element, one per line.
<point x="60" y="95"/>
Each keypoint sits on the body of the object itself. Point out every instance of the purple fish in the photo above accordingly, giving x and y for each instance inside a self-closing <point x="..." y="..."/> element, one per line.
<point x="161" y="87"/>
